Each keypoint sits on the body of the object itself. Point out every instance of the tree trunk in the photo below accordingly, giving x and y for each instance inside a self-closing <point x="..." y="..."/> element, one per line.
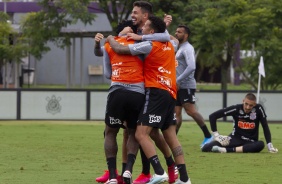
<point x="224" y="71"/>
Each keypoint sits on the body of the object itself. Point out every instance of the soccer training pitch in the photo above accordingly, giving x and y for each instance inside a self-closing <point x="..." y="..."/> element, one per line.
<point x="71" y="152"/>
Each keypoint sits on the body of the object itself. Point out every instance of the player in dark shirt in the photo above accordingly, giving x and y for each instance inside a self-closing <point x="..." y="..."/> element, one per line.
<point x="244" y="137"/>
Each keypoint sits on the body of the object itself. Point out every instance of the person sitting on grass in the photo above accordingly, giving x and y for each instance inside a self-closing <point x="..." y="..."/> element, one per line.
<point x="244" y="137"/>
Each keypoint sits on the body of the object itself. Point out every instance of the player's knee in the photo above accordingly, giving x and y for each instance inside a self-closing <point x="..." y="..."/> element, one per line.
<point x="259" y="146"/>
<point x="253" y="147"/>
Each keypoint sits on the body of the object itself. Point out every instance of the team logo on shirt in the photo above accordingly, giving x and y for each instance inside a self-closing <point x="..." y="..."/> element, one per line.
<point x="246" y="125"/>
<point x="154" y="119"/>
<point x="163" y="70"/>
<point x="241" y="111"/>
<point x="164" y="80"/>
<point x="253" y="115"/>
<point x="116" y="72"/>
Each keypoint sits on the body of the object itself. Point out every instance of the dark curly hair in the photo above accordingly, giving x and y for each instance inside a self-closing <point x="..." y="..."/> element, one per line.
<point x="126" y="23"/>
<point x="157" y="24"/>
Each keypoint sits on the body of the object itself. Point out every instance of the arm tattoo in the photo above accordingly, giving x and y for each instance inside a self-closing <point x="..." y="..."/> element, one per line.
<point x="177" y="151"/>
<point x="118" y="48"/>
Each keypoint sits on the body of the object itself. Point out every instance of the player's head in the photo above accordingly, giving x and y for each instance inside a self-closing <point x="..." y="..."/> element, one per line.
<point x="249" y="102"/>
<point x="126" y="23"/>
<point x="182" y="33"/>
<point x="140" y="12"/>
<point x="154" y="25"/>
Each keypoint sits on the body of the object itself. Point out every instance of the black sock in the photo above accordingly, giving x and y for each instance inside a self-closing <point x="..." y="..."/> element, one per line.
<point x="145" y="163"/>
<point x="206" y="132"/>
<point x="169" y="161"/>
<point x="230" y="150"/>
<point x="183" y="172"/>
<point x="112" y="166"/>
<point x="154" y="160"/>
<point x="123" y="168"/>
<point x="130" y="162"/>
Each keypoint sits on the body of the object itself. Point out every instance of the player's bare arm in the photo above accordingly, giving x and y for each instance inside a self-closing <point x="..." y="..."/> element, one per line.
<point x="117" y="47"/>
<point x="97" y="46"/>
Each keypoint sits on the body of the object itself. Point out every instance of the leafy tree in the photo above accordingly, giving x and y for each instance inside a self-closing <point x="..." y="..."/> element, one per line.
<point x="116" y="11"/>
<point x="220" y="26"/>
<point x="13" y="46"/>
<point x="45" y="25"/>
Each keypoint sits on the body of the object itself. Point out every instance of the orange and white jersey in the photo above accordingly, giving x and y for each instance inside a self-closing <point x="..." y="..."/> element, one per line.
<point x="159" y="64"/>
<point x="125" y="68"/>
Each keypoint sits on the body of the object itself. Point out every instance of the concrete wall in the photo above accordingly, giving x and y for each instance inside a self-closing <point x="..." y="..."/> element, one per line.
<point x="91" y="105"/>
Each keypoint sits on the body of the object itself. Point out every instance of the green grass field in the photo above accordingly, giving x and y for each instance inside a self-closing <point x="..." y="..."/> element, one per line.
<point x="71" y="152"/>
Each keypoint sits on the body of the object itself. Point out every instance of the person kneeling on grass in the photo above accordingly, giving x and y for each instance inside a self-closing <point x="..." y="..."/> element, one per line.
<point x="244" y="137"/>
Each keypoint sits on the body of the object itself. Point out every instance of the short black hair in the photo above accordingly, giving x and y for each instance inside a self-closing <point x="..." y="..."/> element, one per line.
<point x="251" y="96"/>
<point x="157" y="24"/>
<point x="145" y="6"/>
<point x="126" y="23"/>
<point x="186" y="28"/>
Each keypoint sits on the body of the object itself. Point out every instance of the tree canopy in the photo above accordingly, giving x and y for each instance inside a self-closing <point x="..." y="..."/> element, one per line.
<point x="45" y="25"/>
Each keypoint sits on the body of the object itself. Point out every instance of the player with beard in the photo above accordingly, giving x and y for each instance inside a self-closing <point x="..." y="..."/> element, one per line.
<point x="186" y="82"/>
<point x="244" y="138"/>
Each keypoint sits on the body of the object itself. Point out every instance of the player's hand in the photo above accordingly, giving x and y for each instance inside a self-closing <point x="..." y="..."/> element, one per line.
<point x="108" y="38"/>
<point x="271" y="149"/>
<point x="98" y="37"/>
<point x="126" y="30"/>
<point x="167" y="19"/>
<point x="133" y="36"/>
<point x="222" y="139"/>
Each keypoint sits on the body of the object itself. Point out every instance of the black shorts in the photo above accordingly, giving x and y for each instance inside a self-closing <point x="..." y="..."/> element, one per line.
<point x="237" y="140"/>
<point x="123" y="105"/>
<point x="185" y="96"/>
<point x="158" y="110"/>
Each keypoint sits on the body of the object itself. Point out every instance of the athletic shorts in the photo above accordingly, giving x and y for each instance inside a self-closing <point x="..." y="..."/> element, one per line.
<point x="185" y="96"/>
<point x="158" y="110"/>
<point x="123" y="105"/>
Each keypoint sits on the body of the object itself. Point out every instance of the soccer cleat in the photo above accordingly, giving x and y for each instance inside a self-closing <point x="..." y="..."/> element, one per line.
<point x="142" y="178"/>
<point x="156" y="179"/>
<point x="181" y="182"/>
<point x="218" y="149"/>
<point x="127" y="177"/>
<point x="111" y="181"/>
<point x="104" y="178"/>
<point x="120" y="179"/>
<point x="171" y="173"/>
<point x="206" y="140"/>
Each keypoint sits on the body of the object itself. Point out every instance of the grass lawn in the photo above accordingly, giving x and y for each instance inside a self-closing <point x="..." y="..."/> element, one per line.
<point x="71" y="152"/>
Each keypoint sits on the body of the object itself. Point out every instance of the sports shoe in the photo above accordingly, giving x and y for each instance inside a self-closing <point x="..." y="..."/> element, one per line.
<point x="127" y="177"/>
<point x="142" y="178"/>
<point x="111" y="181"/>
<point x="218" y="149"/>
<point x="158" y="178"/>
<point x="206" y="140"/>
<point x="104" y="178"/>
<point x="181" y="182"/>
<point x="120" y="180"/>
<point x="171" y="173"/>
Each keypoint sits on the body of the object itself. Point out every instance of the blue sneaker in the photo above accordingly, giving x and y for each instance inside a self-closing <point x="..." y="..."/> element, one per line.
<point x="158" y="179"/>
<point x="206" y="140"/>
